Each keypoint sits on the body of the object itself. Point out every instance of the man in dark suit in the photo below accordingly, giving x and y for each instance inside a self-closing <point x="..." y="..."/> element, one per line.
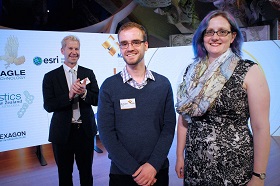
<point x="65" y="91"/>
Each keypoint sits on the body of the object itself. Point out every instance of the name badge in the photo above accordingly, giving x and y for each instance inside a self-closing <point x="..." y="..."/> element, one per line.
<point x="128" y="103"/>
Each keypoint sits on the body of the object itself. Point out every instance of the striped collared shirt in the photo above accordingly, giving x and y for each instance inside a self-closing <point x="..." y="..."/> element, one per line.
<point x="127" y="78"/>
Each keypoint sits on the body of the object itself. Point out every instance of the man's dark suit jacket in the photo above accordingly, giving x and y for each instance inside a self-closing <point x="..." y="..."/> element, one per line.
<point x="56" y="100"/>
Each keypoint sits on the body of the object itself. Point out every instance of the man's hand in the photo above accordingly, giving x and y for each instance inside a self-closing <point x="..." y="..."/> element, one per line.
<point x="82" y="87"/>
<point x="77" y="88"/>
<point x="145" y="175"/>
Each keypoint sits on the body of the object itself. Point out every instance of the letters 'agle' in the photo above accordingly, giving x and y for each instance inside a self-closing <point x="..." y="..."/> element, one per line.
<point x="11" y="53"/>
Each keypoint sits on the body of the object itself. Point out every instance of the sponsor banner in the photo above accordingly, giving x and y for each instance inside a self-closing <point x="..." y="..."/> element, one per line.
<point x="25" y="56"/>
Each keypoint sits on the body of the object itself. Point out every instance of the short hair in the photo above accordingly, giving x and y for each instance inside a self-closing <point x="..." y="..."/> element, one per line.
<point x="130" y="25"/>
<point x="69" y="37"/>
<point x="197" y="42"/>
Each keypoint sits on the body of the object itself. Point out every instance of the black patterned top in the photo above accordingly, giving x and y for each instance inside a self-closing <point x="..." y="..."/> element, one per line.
<point x="219" y="145"/>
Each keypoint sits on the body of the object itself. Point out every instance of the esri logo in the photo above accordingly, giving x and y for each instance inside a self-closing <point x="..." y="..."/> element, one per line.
<point x="37" y="61"/>
<point x="11" y="53"/>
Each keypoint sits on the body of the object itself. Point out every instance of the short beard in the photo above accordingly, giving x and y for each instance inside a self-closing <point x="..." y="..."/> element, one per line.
<point x="136" y="63"/>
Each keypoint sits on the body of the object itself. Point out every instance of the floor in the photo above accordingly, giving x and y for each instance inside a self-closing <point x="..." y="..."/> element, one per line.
<point x="21" y="167"/>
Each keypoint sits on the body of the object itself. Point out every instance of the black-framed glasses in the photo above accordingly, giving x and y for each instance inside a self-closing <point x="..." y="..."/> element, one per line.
<point x="221" y="33"/>
<point x="135" y="43"/>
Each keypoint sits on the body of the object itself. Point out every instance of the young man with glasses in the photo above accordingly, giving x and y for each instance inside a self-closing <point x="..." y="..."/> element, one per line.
<point x="136" y="116"/>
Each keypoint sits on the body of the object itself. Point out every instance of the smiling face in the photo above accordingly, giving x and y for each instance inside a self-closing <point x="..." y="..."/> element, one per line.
<point x="133" y="55"/>
<point x="217" y="45"/>
<point x="71" y="52"/>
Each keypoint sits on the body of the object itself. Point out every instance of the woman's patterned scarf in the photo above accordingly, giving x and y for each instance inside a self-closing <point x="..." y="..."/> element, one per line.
<point x="202" y="84"/>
